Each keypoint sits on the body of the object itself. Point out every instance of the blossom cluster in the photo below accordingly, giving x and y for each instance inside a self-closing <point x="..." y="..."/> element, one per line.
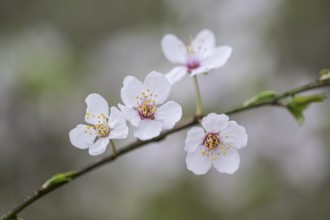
<point x="145" y="107"/>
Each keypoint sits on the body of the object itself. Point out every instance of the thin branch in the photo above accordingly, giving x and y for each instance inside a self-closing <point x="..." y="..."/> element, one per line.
<point x="64" y="178"/>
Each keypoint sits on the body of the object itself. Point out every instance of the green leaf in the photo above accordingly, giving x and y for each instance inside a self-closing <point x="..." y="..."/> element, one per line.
<point x="263" y="96"/>
<point x="297" y="114"/>
<point x="324" y="75"/>
<point x="59" y="179"/>
<point x="324" y="72"/>
<point x="298" y="104"/>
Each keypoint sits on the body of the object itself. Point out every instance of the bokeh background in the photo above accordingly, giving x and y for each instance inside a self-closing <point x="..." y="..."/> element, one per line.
<point x="54" y="53"/>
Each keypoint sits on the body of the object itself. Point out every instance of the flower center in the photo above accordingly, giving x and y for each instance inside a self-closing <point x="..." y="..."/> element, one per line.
<point x="211" y="141"/>
<point x="146" y="105"/>
<point x="192" y="59"/>
<point x="103" y="129"/>
<point x="214" y="147"/>
<point x="192" y="64"/>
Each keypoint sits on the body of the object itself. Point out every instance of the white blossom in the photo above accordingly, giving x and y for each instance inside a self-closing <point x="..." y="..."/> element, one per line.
<point x="215" y="143"/>
<point x="101" y="127"/>
<point x="143" y="105"/>
<point x="199" y="57"/>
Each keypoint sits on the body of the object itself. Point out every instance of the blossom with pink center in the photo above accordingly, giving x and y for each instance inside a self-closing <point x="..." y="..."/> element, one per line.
<point x="102" y="126"/>
<point x="199" y="57"/>
<point x="143" y="105"/>
<point x="216" y="143"/>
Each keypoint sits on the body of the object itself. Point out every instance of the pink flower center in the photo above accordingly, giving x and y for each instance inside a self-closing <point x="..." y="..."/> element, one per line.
<point x="192" y="64"/>
<point x="146" y="105"/>
<point x="103" y="129"/>
<point x="211" y="141"/>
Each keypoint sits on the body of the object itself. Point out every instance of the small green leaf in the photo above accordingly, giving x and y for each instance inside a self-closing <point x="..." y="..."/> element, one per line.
<point x="263" y="96"/>
<point x="297" y="114"/>
<point x="59" y="179"/>
<point x="325" y="75"/>
<point x="298" y="104"/>
<point x="324" y="72"/>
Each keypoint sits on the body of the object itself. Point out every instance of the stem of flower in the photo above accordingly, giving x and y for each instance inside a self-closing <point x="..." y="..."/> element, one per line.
<point x="199" y="104"/>
<point x="113" y="146"/>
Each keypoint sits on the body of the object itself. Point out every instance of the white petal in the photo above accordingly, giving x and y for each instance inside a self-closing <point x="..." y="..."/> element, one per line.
<point x="99" y="147"/>
<point x="204" y="43"/>
<point x="228" y="163"/>
<point x="174" y="49"/>
<point x="214" y="122"/>
<point x="116" y="117"/>
<point x="168" y="114"/>
<point x="81" y="139"/>
<point x="131" y="89"/>
<point x="217" y="58"/>
<point x="158" y="85"/>
<point x="197" y="163"/>
<point x="131" y="115"/>
<point x="96" y="105"/>
<point x="148" y="129"/>
<point x="176" y="74"/>
<point x="234" y="135"/>
<point x="195" y="137"/>
<point x="119" y="132"/>
<point x="118" y="125"/>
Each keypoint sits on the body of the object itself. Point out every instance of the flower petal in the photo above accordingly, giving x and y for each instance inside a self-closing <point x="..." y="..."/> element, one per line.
<point x="197" y="163"/>
<point x="96" y="106"/>
<point x="131" y="115"/>
<point x="82" y="136"/>
<point x="119" y="132"/>
<point x="195" y="137"/>
<point x="148" y="129"/>
<point x="99" y="147"/>
<point x="158" y="85"/>
<point x="131" y="89"/>
<point x="168" y="114"/>
<point x="118" y="125"/>
<point x="176" y="74"/>
<point x="214" y="122"/>
<point x="174" y="49"/>
<point x="228" y="163"/>
<point x="217" y="58"/>
<point x="204" y="43"/>
<point x="234" y="135"/>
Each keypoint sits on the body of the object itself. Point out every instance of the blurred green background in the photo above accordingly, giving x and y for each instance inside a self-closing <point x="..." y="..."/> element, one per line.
<point x="54" y="53"/>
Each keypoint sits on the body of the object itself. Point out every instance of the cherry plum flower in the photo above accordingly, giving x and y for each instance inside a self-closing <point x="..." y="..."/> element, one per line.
<point x="199" y="57"/>
<point x="101" y="127"/>
<point x="215" y="144"/>
<point x="143" y="105"/>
